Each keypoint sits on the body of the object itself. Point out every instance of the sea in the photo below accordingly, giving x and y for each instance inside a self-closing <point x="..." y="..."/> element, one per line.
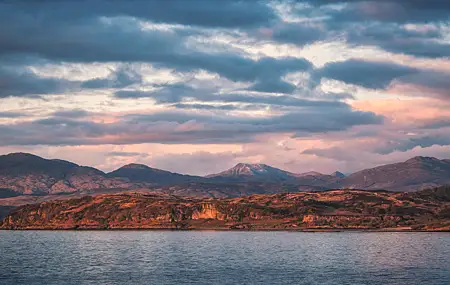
<point x="215" y="257"/>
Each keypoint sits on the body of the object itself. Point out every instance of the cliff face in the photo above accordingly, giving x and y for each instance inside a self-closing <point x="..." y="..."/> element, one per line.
<point x="338" y="209"/>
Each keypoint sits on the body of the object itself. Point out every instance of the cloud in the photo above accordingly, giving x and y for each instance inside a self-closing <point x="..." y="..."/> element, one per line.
<point x="369" y="74"/>
<point x="182" y="91"/>
<point x="405" y="144"/>
<point x="234" y="75"/>
<point x="415" y="28"/>
<point x="227" y="107"/>
<point x="120" y="78"/>
<point x="71" y="114"/>
<point x="427" y="42"/>
<point x="387" y="75"/>
<point x="273" y="86"/>
<point x="126" y="154"/>
<point x="166" y="93"/>
<point x="399" y="11"/>
<point x="85" y="36"/>
<point x="203" y="13"/>
<point x="12" y="115"/>
<point x="182" y="127"/>
<point x="335" y="153"/>
<point x="20" y="82"/>
<point x="297" y="33"/>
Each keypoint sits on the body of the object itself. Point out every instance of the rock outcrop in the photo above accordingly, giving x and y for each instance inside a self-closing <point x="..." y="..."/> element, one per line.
<point x="337" y="209"/>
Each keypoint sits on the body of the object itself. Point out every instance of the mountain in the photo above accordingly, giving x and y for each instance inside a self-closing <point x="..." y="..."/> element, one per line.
<point x="253" y="172"/>
<point x="143" y="173"/>
<point x="337" y="209"/>
<point x="338" y="174"/>
<point x="414" y="174"/>
<point x="244" y="172"/>
<point x="22" y="173"/>
<point x="25" y="173"/>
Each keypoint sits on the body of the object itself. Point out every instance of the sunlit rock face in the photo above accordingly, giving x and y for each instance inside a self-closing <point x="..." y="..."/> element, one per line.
<point x="338" y="209"/>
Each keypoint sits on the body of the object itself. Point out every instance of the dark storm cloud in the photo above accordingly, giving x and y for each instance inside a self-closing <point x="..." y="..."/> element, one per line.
<point x="11" y="115"/>
<point x="379" y="24"/>
<point x="369" y="74"/>
<point x="181" y="127"/>
<point x="75" y="113"/>
<point x="273" y="86"/>
<point x="402" y="11"/>
<point x="381" y="75"/>
<point x="181" y="92"/>
<point x="299" y="33"/>
<point x="20" y="82"/>
<point x="436" y="124"/>
<point x="411" y="143"/>
<point x="79" y="38"/>
<point x="397" y="39"/>
<point x="204" y="13"/>
<point x="122" y="77"/>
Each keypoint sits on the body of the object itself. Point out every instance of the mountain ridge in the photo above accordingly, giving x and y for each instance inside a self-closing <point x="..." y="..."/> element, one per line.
<point x="28" y="174"/>
<point x="416" y="173"/>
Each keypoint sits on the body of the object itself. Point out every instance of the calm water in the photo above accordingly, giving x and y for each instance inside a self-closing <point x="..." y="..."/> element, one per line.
<point x="153" y="257"/>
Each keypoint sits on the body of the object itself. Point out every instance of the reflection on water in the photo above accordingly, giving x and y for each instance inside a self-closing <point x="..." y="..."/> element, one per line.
<point x="164" y="257"/>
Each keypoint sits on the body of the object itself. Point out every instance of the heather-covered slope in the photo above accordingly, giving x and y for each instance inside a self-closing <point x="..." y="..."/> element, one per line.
<point x="337" y="209"/>
<point x="414" y="174"/>
<point x="143" y="173"/>
<point x="29" y="174"/>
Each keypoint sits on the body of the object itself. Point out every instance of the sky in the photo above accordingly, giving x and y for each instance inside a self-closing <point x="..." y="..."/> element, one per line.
<point x="198" y="86"/>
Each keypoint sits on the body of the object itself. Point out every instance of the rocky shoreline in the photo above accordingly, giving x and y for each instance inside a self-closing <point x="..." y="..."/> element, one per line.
<point x="336" y="210"/>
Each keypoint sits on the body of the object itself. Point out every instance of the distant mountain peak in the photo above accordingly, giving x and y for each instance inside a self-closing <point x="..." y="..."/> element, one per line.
<point x="142" y="173"/>
<point x="135" y="166"/>
<point x="338" y="174"/>
<point x="254" y="171"/>
<point x="253" y="165"/>
<point x="309" y="173"/>
<point x="250" y="168"/>
<point x="22" y="155"/>
<point x="423" y="159"/>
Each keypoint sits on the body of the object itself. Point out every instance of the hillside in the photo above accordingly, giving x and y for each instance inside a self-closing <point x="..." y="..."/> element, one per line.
<point x="27" y="174"/>
<point x="244" y="172"/>
<point x="253" y="172"/>
<point x="24" y="173"/>
<point x="143" y="173"/>
<point x="337" y="209"/>
<point x="414" y="174"/>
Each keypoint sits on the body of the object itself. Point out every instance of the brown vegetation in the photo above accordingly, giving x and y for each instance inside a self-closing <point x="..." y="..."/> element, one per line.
<point x="337" y="209"/>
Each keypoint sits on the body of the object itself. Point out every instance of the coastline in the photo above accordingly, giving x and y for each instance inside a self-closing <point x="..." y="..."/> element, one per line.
<point x="331" y="211"/>
<point x="305" y="230"/>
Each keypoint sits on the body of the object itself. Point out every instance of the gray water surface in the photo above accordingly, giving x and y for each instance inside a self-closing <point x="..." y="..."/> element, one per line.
<point x="208" y="257"/>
